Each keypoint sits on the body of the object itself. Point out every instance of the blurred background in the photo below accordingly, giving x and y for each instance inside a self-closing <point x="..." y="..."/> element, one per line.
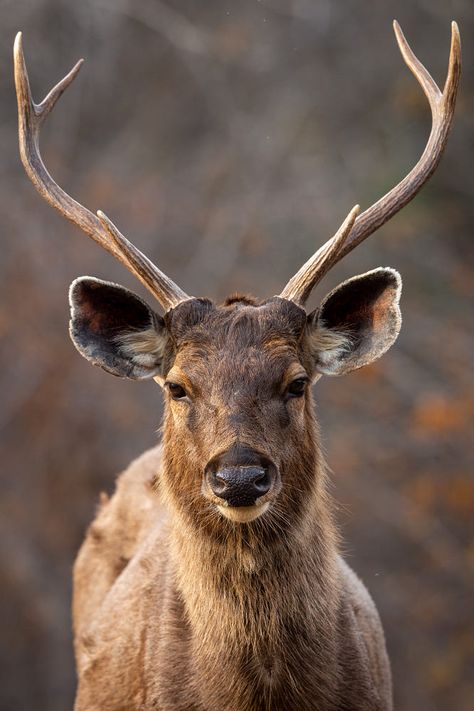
<point x="228" y="140"/>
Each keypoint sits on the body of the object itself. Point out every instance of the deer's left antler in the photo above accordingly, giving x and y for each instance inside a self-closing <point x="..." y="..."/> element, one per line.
<point x="357" y="228"/>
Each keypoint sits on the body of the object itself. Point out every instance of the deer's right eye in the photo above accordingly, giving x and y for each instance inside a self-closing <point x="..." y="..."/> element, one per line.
<point x="176" y="391"/>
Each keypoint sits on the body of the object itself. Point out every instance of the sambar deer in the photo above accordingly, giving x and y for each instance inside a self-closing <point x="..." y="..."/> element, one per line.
<point x="211" y="580"/>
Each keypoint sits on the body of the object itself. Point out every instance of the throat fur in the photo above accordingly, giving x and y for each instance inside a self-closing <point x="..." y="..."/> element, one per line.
<point x="259" y="616"/>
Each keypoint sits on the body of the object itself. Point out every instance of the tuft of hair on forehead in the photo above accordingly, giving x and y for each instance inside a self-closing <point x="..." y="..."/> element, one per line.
<point x="247" y="320"/>
<point x="243" y="299"/>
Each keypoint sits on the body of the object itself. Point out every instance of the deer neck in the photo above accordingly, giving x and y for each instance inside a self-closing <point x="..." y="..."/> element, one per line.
<point x="249" y="599"/>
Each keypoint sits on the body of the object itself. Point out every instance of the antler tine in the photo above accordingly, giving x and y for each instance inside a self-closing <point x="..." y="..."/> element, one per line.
<point x="301" y="284"/>
<point x="423" y="76"/>
<point x="442" y="111"/>
<point x="100" y="229"/>
<point x="146" y="271"/>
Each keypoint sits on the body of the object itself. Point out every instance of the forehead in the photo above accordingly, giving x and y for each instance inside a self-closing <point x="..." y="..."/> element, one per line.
<point x="242" y="327"/>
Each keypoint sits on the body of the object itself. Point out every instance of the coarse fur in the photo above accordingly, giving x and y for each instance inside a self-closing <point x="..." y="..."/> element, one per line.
<point x="177" y="607"/>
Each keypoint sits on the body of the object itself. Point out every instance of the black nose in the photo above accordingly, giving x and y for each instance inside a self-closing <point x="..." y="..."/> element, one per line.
<point x="240" y="486"/>
<point x="240" y="475"/>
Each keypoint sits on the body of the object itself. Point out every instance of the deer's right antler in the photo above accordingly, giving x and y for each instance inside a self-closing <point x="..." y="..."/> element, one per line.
<point x="355" y="229"/>
<point x="100" y="228"/>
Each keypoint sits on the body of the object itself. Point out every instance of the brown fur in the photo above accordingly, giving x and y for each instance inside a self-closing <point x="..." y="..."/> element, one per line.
<point x="177" y="607"/>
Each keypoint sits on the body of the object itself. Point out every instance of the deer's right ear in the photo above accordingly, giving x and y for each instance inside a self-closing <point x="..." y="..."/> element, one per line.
<point x="115" y="329"/>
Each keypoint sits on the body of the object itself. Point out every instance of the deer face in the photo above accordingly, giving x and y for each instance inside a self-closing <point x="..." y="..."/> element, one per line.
<point x="236" y="390"/>
<point x="239" y="416"/>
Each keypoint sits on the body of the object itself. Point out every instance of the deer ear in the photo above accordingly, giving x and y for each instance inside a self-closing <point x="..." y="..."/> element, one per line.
<point x="115" y="329"/>
<point x="356" y="323"/>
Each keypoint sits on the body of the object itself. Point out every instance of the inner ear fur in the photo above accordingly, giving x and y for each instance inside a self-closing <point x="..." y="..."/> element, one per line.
<point x="115" y="329"/>
<point x="357" y="322"/>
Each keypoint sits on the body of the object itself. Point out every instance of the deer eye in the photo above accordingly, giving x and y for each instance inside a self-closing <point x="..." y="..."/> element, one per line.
<point x="176" y="391"/>
<point x="297" y="387"/>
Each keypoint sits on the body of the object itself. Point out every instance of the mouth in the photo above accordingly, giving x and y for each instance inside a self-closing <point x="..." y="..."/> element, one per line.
<point x="243" y="514"/>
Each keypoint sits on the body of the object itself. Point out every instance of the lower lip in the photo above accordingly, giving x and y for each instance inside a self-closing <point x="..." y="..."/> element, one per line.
<point x="243" y="514"/>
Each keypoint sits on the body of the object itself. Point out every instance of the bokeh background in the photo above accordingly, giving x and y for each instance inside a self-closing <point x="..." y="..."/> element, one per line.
<point x="228" y="140"/>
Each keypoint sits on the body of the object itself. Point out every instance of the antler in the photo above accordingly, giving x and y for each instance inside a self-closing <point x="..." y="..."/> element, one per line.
<point x="355" y="229"/>
<point x="100" y="228"/>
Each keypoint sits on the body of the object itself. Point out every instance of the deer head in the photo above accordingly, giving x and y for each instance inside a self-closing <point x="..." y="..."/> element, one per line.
<point x="237" y="377"/>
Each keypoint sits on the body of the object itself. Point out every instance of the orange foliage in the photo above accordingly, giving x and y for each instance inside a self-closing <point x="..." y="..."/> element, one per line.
<point x="438" y="414"/>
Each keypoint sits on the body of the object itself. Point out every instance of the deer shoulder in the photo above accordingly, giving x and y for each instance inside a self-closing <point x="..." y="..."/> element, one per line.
<point x="121" y="524"/>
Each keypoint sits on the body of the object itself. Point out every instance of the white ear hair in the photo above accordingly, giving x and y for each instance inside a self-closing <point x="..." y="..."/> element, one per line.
<point x="142" y="347"/>
<point x="330" y="346"/>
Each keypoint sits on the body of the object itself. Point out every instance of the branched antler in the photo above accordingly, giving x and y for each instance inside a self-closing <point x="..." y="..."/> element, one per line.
<point x="99" y="228"/>
<point x="355" y="229"/>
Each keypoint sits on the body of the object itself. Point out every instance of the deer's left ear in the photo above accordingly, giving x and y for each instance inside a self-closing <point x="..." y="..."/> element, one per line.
<point x="356" y="323"/>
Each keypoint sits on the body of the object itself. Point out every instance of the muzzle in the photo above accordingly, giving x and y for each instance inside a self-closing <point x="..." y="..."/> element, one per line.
<point x="240" y="476"/>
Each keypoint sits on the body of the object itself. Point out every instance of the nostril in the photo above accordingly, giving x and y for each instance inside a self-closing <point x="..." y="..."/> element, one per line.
<point x="262" y="482"/>
<point x="218" y="483"/>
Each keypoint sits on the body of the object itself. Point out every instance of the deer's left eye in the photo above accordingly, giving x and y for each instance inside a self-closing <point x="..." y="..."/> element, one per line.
<point x="297" y="387"/>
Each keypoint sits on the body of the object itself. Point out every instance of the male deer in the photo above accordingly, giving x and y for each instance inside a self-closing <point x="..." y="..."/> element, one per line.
<point x="212" y="580"/>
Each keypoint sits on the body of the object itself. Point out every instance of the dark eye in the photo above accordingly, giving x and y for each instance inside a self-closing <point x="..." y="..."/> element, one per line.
<point x="176" y="391"/>
<point x="297" y="387"/>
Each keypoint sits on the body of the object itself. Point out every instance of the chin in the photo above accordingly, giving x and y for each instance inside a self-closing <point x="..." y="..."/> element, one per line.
<point x="243" y="514"/>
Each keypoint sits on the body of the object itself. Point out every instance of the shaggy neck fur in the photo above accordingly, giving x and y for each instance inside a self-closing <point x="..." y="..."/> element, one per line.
<point x="260" y="599"/>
